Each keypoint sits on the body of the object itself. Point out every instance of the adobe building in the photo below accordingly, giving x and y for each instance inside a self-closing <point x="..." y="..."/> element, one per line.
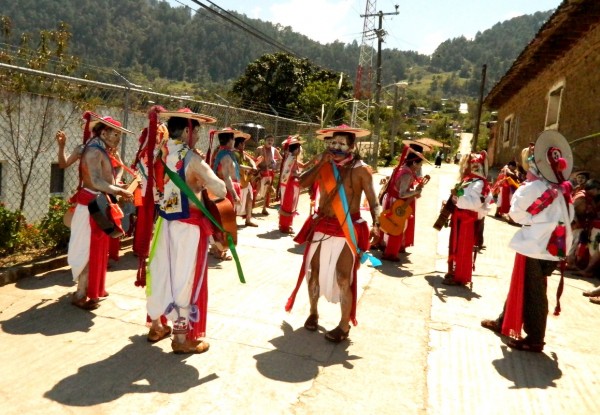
<point x="554" y="84"/>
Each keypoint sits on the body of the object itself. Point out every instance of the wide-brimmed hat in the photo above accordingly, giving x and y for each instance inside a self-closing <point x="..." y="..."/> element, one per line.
<point x="553" y="157"/>
<point x="187" y="113"/>
<point x="92" y="119"/>
<point x="582" y="172"/>
<point x="358" y="132"/>
<point x="236" y="133"/>
<point x="324" y="137"/>
<point x="292" y="139"/>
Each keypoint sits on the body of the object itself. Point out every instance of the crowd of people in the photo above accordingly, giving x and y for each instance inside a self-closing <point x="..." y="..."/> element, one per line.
<point x="187" y="203"/>
<point x="184" y="200"/>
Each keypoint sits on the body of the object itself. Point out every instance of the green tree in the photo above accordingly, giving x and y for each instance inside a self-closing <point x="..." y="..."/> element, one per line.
<point x="28" y="137"/>
<point x="290" y="84"/>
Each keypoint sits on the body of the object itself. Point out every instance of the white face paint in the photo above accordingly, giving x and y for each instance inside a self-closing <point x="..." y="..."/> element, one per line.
<point x="338" y="144"/>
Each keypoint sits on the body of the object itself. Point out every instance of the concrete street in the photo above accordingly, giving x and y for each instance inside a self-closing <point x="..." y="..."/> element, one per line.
<point x="418" y="347"/>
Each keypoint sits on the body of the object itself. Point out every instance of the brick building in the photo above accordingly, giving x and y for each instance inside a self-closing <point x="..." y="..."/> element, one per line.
<point x="553" y="84"/>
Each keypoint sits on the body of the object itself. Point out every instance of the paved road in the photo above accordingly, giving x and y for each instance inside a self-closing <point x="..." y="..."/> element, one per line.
<point x="418" y="348"/>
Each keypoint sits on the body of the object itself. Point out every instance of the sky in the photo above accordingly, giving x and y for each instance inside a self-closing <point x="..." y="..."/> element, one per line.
<point x="421" y="25"/>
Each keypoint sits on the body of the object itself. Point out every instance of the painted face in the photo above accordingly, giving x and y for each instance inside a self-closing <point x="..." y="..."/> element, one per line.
<point x="269" y="141"/>
<point x="338" y="145"/>
<point x="111" y="137"/>
<point x="580" y="178"/>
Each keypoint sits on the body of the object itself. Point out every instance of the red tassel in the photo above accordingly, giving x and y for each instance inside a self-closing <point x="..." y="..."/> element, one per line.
<point x="140" y="279"/>
<point x="87" y="134"/>
<point x="290" y="303"/>
<point x="560" y="288"/>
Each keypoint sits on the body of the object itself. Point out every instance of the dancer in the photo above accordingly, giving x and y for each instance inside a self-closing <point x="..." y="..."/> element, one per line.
<point x="338" y="236"/>
<point x="543" y="206"/>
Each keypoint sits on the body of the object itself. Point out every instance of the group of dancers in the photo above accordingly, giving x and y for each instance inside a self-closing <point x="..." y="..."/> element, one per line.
<point x="175" y="228"/>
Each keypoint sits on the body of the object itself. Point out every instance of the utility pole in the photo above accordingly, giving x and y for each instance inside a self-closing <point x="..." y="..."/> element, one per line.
<point x="395" y="109"/>
<point x="479" y="105"/>
<point x="128" y="87"/>
<point x="380" y="33"/>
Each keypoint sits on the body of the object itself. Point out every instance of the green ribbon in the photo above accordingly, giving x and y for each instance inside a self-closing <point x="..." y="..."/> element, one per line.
<point x="179" y="182"/>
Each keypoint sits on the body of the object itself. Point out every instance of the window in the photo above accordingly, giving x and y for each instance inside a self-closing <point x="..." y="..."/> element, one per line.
<point x="507" y="130"/>
<point x="57" y="179"/>
<point x="553" y="110"/>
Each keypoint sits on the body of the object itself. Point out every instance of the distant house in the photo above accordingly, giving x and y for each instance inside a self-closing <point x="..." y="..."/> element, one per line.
<point x="553" y="84"/>
<point x="463" y="108"/>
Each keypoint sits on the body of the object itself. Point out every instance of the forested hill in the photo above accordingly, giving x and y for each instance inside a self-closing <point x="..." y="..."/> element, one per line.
<point x="153" y="38"/>
<point x="498" y="46"/>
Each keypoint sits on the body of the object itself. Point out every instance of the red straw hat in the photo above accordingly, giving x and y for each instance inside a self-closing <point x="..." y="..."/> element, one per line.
<point x="236" y="133"/>
<point x="93" y="119"/>
<point x="358" y="132"/>
<point x="187" y="113"/>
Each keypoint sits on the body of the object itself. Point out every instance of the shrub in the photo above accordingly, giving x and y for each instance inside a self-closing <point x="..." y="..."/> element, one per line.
<point x="10" y="223"/>
<point x="53" y="230"/>
<point x="28" y="237"/>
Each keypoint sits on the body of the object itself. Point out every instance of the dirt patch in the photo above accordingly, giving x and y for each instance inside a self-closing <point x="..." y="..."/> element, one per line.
<point x="29" y="256"/>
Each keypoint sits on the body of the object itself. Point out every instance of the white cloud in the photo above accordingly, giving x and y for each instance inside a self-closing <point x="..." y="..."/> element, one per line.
<point x="431" y="41"/>
<point x="512" y="14"/>
<point x="320" y="20"/>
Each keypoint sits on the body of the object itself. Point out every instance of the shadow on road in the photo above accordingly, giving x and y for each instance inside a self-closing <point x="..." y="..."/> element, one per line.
<point x="528" y="370"/>
<point x="274" y="234"/>
<point x="442" y="291"/>
<point x="50" y="317"/>
<point x="59" y="277"/>
<point x="137" y="368"/>
<point x="299" y="353"/>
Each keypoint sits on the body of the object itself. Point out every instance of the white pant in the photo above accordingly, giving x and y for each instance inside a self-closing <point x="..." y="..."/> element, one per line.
<point x="172" y="269"/>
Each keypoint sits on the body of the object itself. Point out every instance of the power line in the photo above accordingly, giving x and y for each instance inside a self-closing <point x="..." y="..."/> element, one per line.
<point x="242" y="26"/>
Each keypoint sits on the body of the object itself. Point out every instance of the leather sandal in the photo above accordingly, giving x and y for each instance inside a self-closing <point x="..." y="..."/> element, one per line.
<point x="337" y="335"/>
<point x="452" y="281"/>
<point x="312" y="322"/>
<point x="85" y="304"/>
<point x="525" y="346"/>
<point x="492" y="325"/>
<point x="595" y="300"/>
<point x="592" y="293"/>
<point x="157" y="335"/>
<point x="189" y="346"/>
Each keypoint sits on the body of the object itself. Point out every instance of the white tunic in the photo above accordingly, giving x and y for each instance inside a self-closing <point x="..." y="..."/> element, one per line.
<point x="532" y="239"/>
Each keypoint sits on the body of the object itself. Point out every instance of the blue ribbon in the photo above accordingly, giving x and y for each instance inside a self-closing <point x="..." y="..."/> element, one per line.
<point x="364" y="256"/>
